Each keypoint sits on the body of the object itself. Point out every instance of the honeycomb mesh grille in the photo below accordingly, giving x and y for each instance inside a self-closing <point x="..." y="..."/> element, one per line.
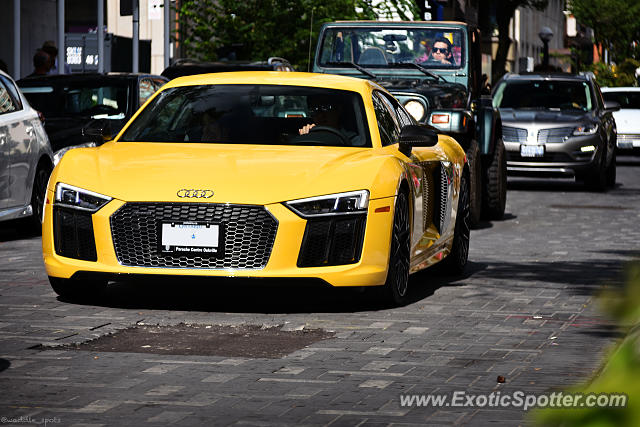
<point x="249" y="233"/>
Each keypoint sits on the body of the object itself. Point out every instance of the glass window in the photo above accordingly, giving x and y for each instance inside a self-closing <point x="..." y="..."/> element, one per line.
<point x="7" y="104"/>
<point x="393" y="46"/>
<point x="253" y="114"/>
<point x="147" y="88"/>
<point x="544" y="94"/>
<point x="627" y="100"/>
<point x="387" y="123"/>
<point x="13" y="91"/>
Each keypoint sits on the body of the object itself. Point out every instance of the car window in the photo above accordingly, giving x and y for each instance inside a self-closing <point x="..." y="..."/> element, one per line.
<point x="13" y="92"/>
<point x="544" y="94"/>
<point x="384" y="47"/>
<point x="627" y="100"/>
<point x="253" y="114"/>
<point x="404" y="118"/>
<point x="387" y="122"/>
<point x="7" y="104"/>
<point x="147" y="88"/>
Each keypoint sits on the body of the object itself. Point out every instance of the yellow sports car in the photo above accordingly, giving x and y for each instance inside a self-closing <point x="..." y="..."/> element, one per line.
<point x="260" y="174"/>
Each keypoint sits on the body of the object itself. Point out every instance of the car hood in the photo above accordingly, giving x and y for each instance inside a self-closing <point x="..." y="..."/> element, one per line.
<point x="539" y="117"/>
<point x="627" y="120"/>
<point x="441" y="95"/>
<point x="248" y="174"/>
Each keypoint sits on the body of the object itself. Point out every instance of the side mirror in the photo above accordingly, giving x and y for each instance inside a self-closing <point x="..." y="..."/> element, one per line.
<point x="416" y="136"/>
<point x="611" y="106"/>
<point x="98" y="131"/>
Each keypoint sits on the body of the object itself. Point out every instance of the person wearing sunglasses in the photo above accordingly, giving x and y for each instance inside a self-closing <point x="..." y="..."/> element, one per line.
<point x="440" y="52"/>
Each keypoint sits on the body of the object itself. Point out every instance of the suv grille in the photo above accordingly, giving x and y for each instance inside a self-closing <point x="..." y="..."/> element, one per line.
<point x="249" y="233"/>
<point x="510" y="134"/>
<point x="554" y="134"/>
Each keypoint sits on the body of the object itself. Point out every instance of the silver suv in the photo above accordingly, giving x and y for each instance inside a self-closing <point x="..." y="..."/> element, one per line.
<point x="557" y="124"/>
<point x="26" y="159"/>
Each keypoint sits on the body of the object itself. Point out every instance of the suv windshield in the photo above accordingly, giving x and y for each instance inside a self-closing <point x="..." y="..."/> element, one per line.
<point x="383" y="47"/>
<point x="544" y="94"/>
<point x="253" y="114"/>
<point x="630" y="100"/>
<point x="97" y="101"/>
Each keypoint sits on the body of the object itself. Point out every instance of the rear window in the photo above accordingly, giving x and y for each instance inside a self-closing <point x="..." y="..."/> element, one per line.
<point x="253" y="114"/>
<point x="627" y="100"/>
<point x="544" y="94"/>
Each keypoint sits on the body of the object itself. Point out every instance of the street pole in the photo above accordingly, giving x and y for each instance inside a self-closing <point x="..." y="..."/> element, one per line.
<point x="62" y="51"/>
<point x="100" y="33"/>
<point x="16" y="39"/>
<point x="136" y="36"/>
<point x="545" y="35"/>
<point x="167" y="34"/>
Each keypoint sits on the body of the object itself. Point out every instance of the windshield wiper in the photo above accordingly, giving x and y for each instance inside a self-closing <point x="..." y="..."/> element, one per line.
<point x="419" y="67"/>
<point x="356" y="66"/>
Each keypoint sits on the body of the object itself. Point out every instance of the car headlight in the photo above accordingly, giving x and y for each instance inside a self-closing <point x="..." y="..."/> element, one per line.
<point x="416" y="109"/>
<point x="586" y="129"/>
<point x="352" y="202"/>
<point x="78" y="198"/>
<point x="61" y="152"/>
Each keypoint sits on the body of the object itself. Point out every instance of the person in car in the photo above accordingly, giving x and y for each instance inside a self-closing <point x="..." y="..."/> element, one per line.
<point x="440" y="53"/>
<point x="327" y="111"/>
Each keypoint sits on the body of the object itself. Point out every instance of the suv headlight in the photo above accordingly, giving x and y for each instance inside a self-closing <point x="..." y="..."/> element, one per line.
<point x="78" y="198"/>
<point x="586" y="129"/>
<point x="352" y="202"/>
<point x="416" y="109"/>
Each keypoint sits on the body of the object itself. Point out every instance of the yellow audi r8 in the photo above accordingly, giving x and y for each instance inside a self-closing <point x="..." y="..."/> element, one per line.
<point x="260" y="174"/>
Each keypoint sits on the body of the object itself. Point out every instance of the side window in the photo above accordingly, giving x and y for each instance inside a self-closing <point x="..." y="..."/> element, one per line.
<point x="404" y="118"/>
<point x="7" y="104"/>
<point x="147" y="88"/>
<point x="13" y="91"/>
<point x="598" y="96"/>
<point x="387" y="121"/>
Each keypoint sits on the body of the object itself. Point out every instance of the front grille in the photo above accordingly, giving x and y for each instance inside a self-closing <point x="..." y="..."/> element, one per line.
<point x="332" y="241"/>
<point x="441" y="197"/>
<point x="249" y="233"/>
<point x="554" y="135"/>
<point x="73" y="234"/>
<point x="511" y="134"/>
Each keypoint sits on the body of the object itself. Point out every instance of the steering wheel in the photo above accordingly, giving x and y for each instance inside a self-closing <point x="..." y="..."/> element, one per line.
<point x="328" y="129"/>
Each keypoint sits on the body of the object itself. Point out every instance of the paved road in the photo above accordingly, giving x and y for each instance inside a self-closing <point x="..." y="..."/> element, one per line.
<point x="524" y="311"/>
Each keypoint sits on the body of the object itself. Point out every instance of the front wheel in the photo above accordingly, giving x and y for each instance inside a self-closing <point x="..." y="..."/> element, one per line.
<point x="456" y="261"/>
<point x="475" y="183"/>
<point x="83" y="290"/>
<point x="495" y="185"/>
<point x="38" y="195"/>
<point x="397" y="285"/>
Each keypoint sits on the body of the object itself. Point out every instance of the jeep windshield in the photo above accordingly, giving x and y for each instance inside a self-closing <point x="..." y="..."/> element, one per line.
<point x="385" y="47"/>
<point x="253" y="114"/>
<point x="544" y="95"/>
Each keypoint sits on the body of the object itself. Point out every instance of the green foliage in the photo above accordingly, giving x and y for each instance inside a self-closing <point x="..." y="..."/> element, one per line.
<point x="615" y="23"/>
<point x="257" y="29"/>
<point x="615" y="76"/>
<point x="620" y="373"/>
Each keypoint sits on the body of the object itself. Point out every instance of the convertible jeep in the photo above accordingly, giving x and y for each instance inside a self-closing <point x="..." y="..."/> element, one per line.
<point x="434" y="70"/>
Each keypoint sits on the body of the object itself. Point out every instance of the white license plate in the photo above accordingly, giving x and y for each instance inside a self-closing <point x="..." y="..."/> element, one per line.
<point x="191" y="239"/>
<point x="531" y="150"/>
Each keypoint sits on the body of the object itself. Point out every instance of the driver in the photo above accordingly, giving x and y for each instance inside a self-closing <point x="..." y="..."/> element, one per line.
<point x="327" y="111"/>
<point x="440" y="52"/>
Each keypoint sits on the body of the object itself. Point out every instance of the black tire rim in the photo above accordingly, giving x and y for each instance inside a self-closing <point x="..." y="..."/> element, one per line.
<point x="39" y="190"/>
<point x="464" y="220"/>
<point x="400" y="246"/>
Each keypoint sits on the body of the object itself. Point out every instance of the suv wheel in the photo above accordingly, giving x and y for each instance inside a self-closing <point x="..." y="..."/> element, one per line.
<point x="611" y="172"/>
<point x="495" y="187"/>
<point x="597" y="179"/>
<point x="475" y="183"/>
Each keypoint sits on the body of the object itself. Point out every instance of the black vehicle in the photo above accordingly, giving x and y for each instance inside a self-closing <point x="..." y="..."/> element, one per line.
<point x="187" y="67"/>
<point x="434" y="70"/>
<point x="73" y="102"/>
<point x="558" y="124"/>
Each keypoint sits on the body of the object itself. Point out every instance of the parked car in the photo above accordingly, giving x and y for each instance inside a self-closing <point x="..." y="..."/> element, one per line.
<point x="73" y="102"/>
<point x="557" y="124"/>
<point x="26" y="159"/>
<point x="434" y="70"/>
<point x="317" y="192"/>
<point x="628" y="117"/>
<point x="188" y="67"/>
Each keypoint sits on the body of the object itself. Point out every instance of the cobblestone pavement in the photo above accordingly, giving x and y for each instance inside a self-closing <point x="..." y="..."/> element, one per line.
<point x="524" y="310"/>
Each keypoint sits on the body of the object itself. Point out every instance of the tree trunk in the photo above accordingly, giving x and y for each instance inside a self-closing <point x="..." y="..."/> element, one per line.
<point x="503" y="18"/>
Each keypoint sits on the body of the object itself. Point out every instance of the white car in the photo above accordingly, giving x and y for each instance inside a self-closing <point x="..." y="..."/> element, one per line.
<point x="628" y="118"/>
<point x="26" y="159"/>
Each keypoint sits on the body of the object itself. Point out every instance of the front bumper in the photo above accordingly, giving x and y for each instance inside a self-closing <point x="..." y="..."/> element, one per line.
<point x="628" y="141"/>
<point x="560" y="158"/>
<point x="370" y="270"/>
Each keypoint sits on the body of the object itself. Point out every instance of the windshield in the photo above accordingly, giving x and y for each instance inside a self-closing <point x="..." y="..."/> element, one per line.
<point x="627" y="100"/>
<point x="544" y="94"/>
<point x="87" y="99"/>
<point x="381" y="47"/>
<point x="253" y="114"/>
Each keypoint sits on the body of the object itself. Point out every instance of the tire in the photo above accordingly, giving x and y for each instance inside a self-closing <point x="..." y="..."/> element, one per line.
<point x="38" y="196"/>
<point x="597" y="179"/>
<point x="475" y="183"/>
<point x="611" y="172"/>
<point x="494" y="191"/>
<point x="83" y="290"/>
<point x="397" y="284"/>
<point x="456" y="261"/>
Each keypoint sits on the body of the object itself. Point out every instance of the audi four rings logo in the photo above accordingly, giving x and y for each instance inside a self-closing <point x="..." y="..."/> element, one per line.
<point x="195" y="194"/>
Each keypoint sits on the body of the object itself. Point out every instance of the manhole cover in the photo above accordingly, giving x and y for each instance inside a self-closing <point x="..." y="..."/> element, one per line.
<point x="205" y="340"/>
